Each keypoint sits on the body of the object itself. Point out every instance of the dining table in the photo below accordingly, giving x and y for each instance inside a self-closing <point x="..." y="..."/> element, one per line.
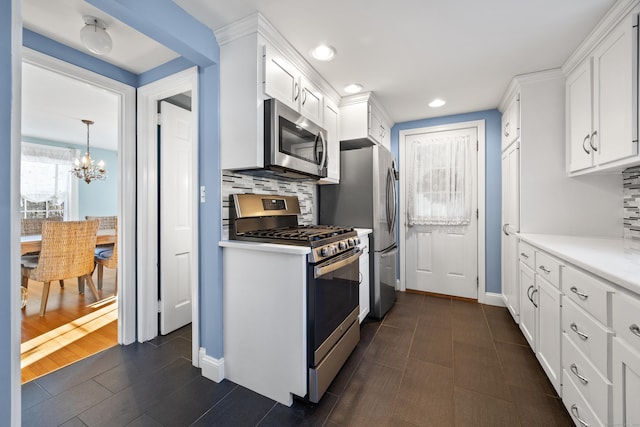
<point x="33" y="243"/>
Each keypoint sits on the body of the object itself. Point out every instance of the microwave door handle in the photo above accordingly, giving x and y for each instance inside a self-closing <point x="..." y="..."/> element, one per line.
<point x="324" y="150"/>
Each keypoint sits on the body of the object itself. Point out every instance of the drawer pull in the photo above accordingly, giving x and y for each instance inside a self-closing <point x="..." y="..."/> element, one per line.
<point x="523" y="255"/>
<point x="543" y="268"/>
<point x="576" y="414"/>
<point x="635" y="329"/>
<point x="582" y="379"/>
<point x="582" y="336"/>
<point x="577" y="292"/>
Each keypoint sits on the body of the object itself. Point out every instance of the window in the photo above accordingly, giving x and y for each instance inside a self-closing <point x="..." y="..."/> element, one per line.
<point x="46" y="187"/>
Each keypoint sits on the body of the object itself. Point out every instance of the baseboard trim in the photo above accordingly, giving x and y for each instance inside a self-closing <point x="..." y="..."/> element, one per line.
<point x="491" y="298"/>
<point x="212" y="368"/>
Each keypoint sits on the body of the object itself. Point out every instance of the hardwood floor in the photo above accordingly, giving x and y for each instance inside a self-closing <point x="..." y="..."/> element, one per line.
<point x="74" y="326"/>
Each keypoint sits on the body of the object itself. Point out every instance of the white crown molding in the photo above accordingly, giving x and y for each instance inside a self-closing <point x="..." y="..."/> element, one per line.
<point x="366" y="97"/>
<point x="619" y="10"/>
<point x="524" y="79"/>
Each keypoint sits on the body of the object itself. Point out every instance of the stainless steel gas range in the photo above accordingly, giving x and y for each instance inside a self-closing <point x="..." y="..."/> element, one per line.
<point x="332" y="278"/>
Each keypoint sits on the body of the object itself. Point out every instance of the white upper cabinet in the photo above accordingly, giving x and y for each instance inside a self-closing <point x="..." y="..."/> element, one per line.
<point x="257" y="63"/>
<point x="281" y="79"/>
<point x="511" y="122"/>
<point x="601" y="96"/>
<point x="362" y="118"/>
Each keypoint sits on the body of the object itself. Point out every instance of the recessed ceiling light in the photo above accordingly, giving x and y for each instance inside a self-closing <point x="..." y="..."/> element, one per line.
<point x="353" y="88"/>
<point x="323" y="52"/>
<point x="437" y="103"/>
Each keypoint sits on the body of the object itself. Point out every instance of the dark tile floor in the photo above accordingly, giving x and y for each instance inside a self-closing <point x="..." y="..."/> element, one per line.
<point x="430" y="362"/>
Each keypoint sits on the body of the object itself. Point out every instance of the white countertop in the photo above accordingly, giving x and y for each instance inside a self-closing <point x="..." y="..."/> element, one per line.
<point x="265" y="247"/>
<point x="363" y="231"/>
<point x="601" y="256"/>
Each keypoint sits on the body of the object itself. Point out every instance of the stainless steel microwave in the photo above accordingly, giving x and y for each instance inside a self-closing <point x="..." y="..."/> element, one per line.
<point x="295" y="147"/>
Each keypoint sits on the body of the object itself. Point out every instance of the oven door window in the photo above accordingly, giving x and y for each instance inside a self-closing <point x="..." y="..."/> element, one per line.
<point x="332" y="297"/>
<point x="298" y="142"/>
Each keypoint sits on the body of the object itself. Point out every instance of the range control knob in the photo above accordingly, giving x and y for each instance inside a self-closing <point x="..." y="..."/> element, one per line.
<point x="342" y="245"/>
<point x="356" y="240"/>
<point x="351" y="242"/>
<point x="324" y="251"/>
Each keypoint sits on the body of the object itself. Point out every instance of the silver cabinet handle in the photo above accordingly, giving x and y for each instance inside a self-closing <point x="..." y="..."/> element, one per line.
<point x="296" y="89"/>
<point x="580" y="294"/>
<point x="582" y="335"/>
<point x="576" y="414"/>
<point x="506" y="128"/>
<point x="525" y="256"/>
<point x="582" y="379"/>
<point x="584" y="141"/>
<point x="304" y="97"/>
<point x="504" y="229"/>
<point x="528" y="290"/>
<point x="635" y="330"/>
<point x="595" y="132"/>
<point x="543" y="268"/>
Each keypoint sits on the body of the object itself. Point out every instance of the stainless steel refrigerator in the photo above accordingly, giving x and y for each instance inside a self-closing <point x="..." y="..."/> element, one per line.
<point x="366" y="198"/>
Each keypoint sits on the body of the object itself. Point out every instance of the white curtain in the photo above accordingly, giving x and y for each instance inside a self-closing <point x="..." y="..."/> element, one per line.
<point x="45" y="175"/>
<point x="440" y="180"/>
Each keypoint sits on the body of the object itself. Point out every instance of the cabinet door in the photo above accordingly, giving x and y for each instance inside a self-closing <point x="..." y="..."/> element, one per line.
<point x="333" y="143"/>
<point x="626" y="384"/>
<point x="615" y="97"/>
<point x="579" y="103"/>
<point x="511" y="189"/>
<point x="311" y="101"/>
<point x="375" y="124"/>
<point x="511" y="122"/>
<point x="281" y="80"/>
<point x="549" y="330"/>
<point x="527" y="305"/>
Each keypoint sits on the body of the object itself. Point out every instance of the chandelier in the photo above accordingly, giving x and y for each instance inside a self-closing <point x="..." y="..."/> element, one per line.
<point x="84" y="168"/>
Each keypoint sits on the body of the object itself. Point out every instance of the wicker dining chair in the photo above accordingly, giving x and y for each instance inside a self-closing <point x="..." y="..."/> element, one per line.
<point x="106" y="222"/>
<point x="32" y="227"/>
<point x="67" y="251"/>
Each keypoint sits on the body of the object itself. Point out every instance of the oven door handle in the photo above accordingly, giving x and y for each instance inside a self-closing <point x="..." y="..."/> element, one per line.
<point x="333" y="266"/>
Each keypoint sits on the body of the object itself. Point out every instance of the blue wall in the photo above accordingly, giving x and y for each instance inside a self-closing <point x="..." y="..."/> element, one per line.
<point x="100" y="198"/>
<point x="493" y="181"/>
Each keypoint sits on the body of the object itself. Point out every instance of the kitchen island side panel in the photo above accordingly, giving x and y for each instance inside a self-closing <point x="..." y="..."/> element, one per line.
<point x="265" y="321"/>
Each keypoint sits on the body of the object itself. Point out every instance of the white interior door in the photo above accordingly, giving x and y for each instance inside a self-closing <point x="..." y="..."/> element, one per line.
<point x="442" y="259"/>
<point x="176" y="219"/>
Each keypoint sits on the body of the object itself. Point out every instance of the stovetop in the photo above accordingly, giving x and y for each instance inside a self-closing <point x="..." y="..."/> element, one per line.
<point x="300" y="233"/>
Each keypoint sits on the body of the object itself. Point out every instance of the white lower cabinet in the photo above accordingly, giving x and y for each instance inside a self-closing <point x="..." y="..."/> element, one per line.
<point x="577" y="406"/>
<point x="626" y="361"/>
<point x="527" y="305"/>
<point x="548" y="298"/>
<point x="364" y="292"/>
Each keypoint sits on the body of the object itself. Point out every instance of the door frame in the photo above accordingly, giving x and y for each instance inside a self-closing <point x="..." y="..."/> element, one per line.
<point x="127" y="173"/>
<point x="148" y="186"/>
<point x="480" y="126"/>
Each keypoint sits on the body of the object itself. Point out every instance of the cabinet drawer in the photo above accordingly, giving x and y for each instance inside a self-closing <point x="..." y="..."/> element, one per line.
<point x="526" y="254"/>
<point x="590" y="293"/>
<point x="580" y="411"/>
<point x="595" y="389"/>
<point x="548" y="267"/>
<point x="587" y="334"/>
<point x="626" y="319"/>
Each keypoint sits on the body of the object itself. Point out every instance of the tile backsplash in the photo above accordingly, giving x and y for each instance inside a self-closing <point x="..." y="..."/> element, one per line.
<point x="233" y="183"/>
<point x="631" y="192"/>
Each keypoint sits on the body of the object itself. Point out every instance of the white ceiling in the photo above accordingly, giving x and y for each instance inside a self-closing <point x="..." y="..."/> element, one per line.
<point x="407" y="52"/>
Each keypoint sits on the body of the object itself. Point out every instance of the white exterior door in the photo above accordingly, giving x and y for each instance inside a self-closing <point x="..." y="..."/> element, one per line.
<point x="442" y="259"/>
<point x="177" y="190"/>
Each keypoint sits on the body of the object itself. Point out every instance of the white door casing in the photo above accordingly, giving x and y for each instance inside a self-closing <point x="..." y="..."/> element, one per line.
<point x="148" y="97"/>
<point x="126" y="175"/>
<point x="176" y="219"/>
<point x="440" y="261"/>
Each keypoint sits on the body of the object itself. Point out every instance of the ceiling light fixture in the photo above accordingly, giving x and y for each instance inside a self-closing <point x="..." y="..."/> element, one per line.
<point x="323" y="52"/>
<point x="94" y="35"/>
<point x="353" y="88"/>
<point x="84" y="168"/>
<point x="437" y="103"/>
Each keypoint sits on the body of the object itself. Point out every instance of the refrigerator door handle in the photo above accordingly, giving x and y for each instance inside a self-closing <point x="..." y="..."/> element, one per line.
<point x="394" y="200"/>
